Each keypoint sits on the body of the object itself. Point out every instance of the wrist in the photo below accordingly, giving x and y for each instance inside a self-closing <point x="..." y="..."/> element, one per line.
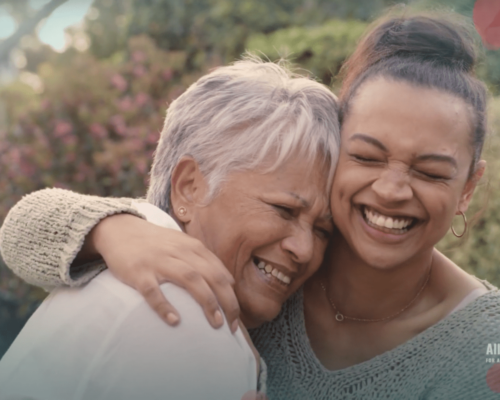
<point x="108" y="228"/>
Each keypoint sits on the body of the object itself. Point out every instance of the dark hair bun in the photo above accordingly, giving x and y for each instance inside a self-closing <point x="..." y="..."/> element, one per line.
<point x="428" y="39"/>
<point x="428" y="51"/>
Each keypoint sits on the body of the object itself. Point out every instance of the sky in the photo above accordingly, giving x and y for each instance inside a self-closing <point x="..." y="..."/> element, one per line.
<point x="51" y="31"/>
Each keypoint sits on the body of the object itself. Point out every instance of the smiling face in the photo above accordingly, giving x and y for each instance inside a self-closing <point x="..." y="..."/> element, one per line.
<point x="403" y="171"/>
<point x="270" y="230"/>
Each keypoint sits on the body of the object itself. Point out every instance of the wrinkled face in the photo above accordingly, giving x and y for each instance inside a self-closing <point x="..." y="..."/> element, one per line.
<point x="403" y="171"/>
<point x="270" y="230"/>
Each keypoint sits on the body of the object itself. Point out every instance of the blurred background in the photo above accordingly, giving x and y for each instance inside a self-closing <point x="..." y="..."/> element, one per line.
<point x="84" y="85"/>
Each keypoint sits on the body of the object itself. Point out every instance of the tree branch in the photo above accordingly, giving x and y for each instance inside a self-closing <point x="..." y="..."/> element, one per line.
<point x="26" y="27"/>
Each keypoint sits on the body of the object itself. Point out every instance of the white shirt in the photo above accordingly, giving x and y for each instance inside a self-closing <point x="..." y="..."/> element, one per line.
<point x="102" y="341"/>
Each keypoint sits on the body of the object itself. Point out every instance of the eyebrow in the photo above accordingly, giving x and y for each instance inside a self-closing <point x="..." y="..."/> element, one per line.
<point x="368" y="139"/>
<point x="423" y="157"/>
<point x="304" y="203"/>
<point x="438" y="158"/>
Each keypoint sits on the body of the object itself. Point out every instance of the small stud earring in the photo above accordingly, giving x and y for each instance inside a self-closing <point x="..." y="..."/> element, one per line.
<point x="182" y="211"/>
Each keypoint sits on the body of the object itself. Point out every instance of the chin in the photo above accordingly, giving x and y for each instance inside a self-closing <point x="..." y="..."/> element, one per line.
<point x="384" y="260"/>
<point x="254" y="315"/>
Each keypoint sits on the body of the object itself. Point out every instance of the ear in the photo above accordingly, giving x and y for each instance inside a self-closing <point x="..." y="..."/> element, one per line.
<point x="188" y="188"/>
<point x="470" y="186"/>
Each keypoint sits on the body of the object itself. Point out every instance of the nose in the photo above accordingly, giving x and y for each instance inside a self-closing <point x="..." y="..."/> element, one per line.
<point x="299" y="244"/>
<point x="393" y="186"/>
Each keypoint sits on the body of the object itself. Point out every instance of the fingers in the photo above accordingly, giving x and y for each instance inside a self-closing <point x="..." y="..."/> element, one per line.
<point x="212" y="260"/>
<point x="152" y="293"/>
<point x="196" y="285"/>
<point x="224" y="292"/>
<point x="220" y="281"/>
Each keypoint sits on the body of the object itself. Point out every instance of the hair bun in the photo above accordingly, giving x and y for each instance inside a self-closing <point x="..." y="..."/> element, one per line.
<point x="434" y="40"/>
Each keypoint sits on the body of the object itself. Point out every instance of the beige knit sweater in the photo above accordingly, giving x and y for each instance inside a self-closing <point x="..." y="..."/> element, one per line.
<point x="43" y="233"/>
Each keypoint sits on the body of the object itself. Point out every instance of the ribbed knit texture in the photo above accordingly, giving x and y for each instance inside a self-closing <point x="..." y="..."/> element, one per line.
<point x="45" y="230"/>
<point x="447" y="361"/>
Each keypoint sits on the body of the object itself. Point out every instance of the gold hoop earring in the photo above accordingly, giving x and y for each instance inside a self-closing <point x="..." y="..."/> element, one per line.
<point x="465" y="226"/>
<point x="182" y="211"/>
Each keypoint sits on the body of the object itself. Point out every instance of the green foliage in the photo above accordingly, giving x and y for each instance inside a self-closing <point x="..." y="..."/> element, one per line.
<point x="93" y="128"/>
<point x="212" y="32"/>
<point x="320" y="49"/>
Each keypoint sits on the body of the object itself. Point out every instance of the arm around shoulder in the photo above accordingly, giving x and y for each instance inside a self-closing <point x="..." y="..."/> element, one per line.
<point x="44" y="232"/>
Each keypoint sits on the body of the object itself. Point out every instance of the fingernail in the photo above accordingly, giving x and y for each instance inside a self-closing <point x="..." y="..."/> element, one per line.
<point x="235" y="325"/>
<point x="172" y="319"/>
<point x="218" y="318"/>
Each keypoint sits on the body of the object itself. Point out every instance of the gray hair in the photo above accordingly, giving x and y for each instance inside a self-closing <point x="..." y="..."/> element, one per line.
<point x="235" y="117"/>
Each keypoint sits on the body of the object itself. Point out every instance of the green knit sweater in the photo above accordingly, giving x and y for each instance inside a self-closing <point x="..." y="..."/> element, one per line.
<point x="458" y="358"/>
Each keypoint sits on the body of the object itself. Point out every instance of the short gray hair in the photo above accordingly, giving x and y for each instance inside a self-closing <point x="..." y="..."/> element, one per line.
<point x="236" y="116"/>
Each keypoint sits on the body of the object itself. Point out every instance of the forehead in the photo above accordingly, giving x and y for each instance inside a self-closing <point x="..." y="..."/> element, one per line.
<point x="296" y="176"/>
<point x="406" y="115"/>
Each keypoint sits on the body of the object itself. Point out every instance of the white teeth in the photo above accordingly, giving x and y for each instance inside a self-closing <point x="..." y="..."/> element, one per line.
<point x="384" y="221"/>
<point x="269" y="269"/>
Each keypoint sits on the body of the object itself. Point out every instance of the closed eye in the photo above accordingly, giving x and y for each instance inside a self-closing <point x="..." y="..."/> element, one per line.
<point x="433" y="176"/>
<point x="285" y="212"/>
<point x="323" y="233"/>
<point x="364" y="159"/>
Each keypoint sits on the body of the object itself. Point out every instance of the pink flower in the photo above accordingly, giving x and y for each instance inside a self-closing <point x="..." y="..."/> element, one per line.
<point x="119" y="125"/>
<point x="62" y="128"/>
<point x="26" y="168"/>
<point x="98" y="131"/>
<point x="125" y="104"/>
<point x="167" y="74"/>
<point x="153" y="137"/>
<point x="69" y="140"/>
<point x="139" y="71"/>
<point x="141" y="99"/>
<point x="119" y="82"/>
<point x="138" y="56"/>
<point x="141" y="166"/>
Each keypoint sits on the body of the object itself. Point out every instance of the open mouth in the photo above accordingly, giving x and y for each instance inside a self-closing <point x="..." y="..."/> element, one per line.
<point x="384" y="223"/>
<point x="272" y="272"/>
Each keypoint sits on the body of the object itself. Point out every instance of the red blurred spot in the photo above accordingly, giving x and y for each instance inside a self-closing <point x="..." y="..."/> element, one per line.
<point x="493" y="378"/>
<point x="486" y="16"/>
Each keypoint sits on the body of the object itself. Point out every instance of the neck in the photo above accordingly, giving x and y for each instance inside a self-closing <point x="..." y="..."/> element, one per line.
<point x="362" y="290"/>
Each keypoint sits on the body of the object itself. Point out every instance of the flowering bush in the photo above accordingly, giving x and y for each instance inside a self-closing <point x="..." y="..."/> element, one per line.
<point x="92" y="129"/>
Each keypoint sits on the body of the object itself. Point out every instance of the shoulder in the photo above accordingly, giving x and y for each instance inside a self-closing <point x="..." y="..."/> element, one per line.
<point x="104" y="338"/>
<point x="149" y="357"/>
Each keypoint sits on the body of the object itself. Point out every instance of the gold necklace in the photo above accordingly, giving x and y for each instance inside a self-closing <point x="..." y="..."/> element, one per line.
<point x="340" y="317"/>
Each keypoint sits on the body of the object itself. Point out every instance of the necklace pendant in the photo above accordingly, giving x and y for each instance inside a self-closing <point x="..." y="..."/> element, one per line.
<point x="339" y="317"/>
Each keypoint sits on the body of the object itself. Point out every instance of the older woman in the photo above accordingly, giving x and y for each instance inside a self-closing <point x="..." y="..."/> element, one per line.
<point x="244" y="165"/>
<point x="388" y="316"/>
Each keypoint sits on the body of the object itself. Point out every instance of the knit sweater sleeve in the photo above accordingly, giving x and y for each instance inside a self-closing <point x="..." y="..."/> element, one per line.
<point x="45" y="230"/>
